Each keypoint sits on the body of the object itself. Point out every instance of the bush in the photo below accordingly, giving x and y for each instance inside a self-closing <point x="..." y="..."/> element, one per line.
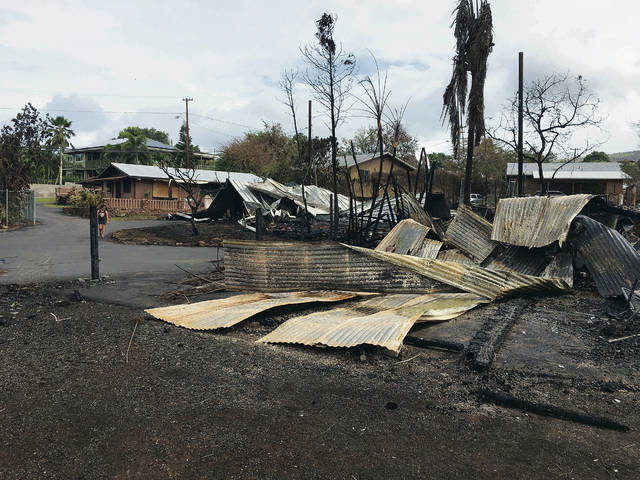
<point x="86" y="198"/>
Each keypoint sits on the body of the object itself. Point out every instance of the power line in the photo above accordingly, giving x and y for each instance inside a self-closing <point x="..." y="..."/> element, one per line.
<point x="94" y="111"/>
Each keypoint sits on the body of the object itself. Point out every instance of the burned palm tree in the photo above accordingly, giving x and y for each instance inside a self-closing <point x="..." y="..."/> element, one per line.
<point x="474" y="40"/>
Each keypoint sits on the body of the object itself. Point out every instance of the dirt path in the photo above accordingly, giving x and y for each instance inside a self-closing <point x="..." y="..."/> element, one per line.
<point x="217" y="405"/>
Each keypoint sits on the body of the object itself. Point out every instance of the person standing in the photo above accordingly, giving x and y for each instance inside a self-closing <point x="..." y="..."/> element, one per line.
<point x="103" y="219"/>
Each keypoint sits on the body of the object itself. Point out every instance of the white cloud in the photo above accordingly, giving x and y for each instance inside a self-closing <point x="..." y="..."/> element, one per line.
<point x="145" y="56"/>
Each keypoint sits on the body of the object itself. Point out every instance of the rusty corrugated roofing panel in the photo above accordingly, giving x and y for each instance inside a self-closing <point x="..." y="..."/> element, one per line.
<point x="405" y="237"/>
<point x="454" y="255"/>
<point x="612" y="261"/>
<point x="227" y="312"/>
<point x="294" y="266"/>
<point x="409" y="238"/>
<point x="536" y="221"/>
<point x="491" y="284"/>
<point x="471" y="234"/>
<point x="519" y="259"/>
<point x="382" y="321"/>
<point x="561" y="267"/>
<point x="428" y="249"/>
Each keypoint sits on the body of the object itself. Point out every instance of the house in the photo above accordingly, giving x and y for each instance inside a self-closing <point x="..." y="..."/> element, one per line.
<point x="369" y="167"/>
<point x="598" y="178"/>
<point x="147" y="182"/>
<point x="87" y="162"/>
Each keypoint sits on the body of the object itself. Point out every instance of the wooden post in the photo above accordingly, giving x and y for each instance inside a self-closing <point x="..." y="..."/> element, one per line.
<point x="331" y="224"/>
<point x="93" y="235"/>
<point x="520" y="114"/>
<point x="259" y="223"/>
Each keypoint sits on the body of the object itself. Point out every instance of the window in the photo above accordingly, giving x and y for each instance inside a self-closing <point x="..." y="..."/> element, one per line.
<point x="126" y="185"/>
<point x="365" y="175"/>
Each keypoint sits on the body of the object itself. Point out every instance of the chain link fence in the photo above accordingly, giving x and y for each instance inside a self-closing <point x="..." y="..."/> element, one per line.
<point x="17" y="207"/>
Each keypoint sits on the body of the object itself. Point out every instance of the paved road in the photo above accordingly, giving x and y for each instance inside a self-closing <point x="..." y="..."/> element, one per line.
<point x="58" y="248"/>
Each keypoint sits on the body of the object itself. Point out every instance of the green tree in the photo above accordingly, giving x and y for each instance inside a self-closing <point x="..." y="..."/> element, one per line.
<point x="474" y="42"/>
<point x="150" y="133"/>
<point x="132" y="150"/>
<point x="268" y="153"/>
<point x="60" y="131"/>
<point x="21" y="143"/>
<point x="365" y="140"/>
<point x="181" y="146"/>
<point x="596" y="156"/>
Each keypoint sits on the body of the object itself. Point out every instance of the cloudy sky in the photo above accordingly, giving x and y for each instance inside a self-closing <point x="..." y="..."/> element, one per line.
<point x="107" y="65"/>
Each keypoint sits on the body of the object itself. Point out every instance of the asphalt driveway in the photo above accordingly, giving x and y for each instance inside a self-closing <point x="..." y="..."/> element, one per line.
<point x="58" y="248"/>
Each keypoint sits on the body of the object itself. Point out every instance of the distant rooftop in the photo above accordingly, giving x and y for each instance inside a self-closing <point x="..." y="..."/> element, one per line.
<point x="364" y="157"/>
<point x="201" y="176"/>
<point x="571" y="171"/>
<point x="153" y="144"/>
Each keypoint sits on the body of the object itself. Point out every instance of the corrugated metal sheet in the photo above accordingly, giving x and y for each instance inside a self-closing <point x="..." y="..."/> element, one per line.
<point x="227" y="312"/>
<point x="491" y="284"/>
<point x="318" y="199"/>
<point x="471" y="234"/>
<point x="428" y="249"/>
<point x="251" y="201"/>
<point x="536" y="221"/>
<point x="409" y="238"/>
<point x="561" y="267"/>
<point x="611" y="260"/>
<point x="382" y="321"/>
<point x="519" y="259"/>
<point x="454" y="255"/>
<point x="292" y="266"/>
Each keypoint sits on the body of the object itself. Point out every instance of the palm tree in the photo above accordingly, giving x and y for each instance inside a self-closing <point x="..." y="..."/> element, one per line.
<point x="474" y="40"/>
<point x="134" y="149"/>
<point x="60" y="131"/>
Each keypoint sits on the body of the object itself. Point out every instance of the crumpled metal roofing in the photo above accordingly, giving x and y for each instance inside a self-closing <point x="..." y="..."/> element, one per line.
<point x="611" y="260"/>
<point x="454" y="255"/>
<point x="251" y="201"/>
<point x="519" y="259"/>
<point x="470" y="233"/>
<point x="382" y="321"/>
<point x="488" y="283"/>
<point x="536" y="221"/>
<point x="292" y="266"/>
<point x="318" y="199"/>
<point x="561" y="266"/>
<point x="226" y="312"/>
<point x="409" y="237"/>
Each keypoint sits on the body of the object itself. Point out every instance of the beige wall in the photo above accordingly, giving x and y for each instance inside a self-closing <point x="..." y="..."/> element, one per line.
<point x="372" y="167"/>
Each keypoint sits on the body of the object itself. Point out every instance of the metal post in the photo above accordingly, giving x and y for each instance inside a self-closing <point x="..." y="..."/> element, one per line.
<point x="34" y="206"/>
<point x="520" y="113"/>
<point x="259" y="224"/>
<point x="7" y="205"/>
<point x="93" y="235"/>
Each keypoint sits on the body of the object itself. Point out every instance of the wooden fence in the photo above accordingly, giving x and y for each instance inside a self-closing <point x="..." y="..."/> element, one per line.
<point x="144" y="204"/>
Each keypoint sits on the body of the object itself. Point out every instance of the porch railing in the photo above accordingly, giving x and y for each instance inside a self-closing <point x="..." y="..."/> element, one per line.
<point x="145" y="204"/>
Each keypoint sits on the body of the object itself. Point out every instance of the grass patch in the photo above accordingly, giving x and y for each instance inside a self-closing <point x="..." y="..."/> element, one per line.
<point x="47" y="202"/>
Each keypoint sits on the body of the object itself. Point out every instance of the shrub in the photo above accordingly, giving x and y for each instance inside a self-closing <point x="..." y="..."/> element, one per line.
<point x="86" y="198"/>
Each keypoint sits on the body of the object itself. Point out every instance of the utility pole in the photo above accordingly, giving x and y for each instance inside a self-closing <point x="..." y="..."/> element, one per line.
<point x="520" y="112"/>
<point x="188" y="142"/>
